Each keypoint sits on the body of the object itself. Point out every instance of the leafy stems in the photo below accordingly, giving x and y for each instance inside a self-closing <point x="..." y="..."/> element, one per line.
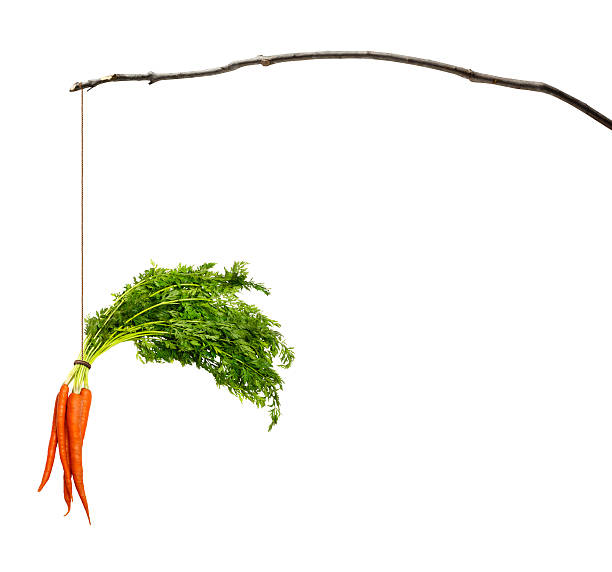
<point x="194" y="316"/>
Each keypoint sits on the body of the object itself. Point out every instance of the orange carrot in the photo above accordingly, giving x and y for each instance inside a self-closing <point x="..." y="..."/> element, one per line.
<point x="86" y="397"/>
<point x="50" y="450"/>
<point x="73" y="420"/>
<point x="62" y="440"/>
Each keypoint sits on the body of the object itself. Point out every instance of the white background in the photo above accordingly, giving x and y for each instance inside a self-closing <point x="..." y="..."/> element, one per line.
<point x="438" y="253"/>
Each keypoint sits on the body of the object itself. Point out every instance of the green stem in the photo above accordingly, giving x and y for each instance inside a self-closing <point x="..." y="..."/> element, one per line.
<point x="173" y="286"/>
<point x="122" y="297"/>
<point x="167" y="302"/>
<point x="125" y="338"/>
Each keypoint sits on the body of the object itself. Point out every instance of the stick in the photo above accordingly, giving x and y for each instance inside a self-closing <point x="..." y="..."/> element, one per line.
<point x="469" y="74"/>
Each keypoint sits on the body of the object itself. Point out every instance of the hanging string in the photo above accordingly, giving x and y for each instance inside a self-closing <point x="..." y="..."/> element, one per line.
<point x="82" y="360"/>
<point x="82" y="228"/>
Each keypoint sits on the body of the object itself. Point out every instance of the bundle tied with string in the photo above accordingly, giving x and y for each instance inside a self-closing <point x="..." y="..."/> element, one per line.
<point x="189" y="314"/>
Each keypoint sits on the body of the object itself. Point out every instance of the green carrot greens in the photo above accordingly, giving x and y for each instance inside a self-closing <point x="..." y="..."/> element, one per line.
<point x="193" y="315"/>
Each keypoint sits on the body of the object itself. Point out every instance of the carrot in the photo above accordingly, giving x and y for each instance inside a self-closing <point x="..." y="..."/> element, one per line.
<point x="73" y="420"/>
<point x="50" y="450"/>
<point x="62" y="440"/>
<point x="86" y="397"/>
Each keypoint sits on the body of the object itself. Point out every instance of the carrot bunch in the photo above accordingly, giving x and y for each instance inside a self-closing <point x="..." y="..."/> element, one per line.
<point x="70" y="416"/>
<point x="190" y="315"/>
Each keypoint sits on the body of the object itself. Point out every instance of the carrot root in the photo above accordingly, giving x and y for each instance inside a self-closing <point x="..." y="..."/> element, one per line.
<point x="62" y="439"/>
<point x="73" y="420"/>
<point x="50" y="449"/>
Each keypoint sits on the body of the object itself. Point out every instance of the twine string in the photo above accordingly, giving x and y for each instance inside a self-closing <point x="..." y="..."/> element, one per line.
<point x="82" y="228"/>
<point x="82" y="360"/>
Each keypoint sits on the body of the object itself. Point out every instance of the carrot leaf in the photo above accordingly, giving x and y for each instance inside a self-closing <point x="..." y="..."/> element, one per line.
<point x="194" y="316"/>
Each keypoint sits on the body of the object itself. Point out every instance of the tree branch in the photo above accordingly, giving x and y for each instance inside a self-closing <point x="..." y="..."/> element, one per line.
<point x="473" y="76"/>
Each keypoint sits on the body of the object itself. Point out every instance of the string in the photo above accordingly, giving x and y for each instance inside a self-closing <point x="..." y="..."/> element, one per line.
<point x="82" y="227"/>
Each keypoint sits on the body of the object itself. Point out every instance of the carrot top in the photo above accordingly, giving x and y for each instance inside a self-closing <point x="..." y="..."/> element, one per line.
<point x="193" y="315"/>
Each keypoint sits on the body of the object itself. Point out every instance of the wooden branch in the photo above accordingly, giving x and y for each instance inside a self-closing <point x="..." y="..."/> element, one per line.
<point x="473" y="76"/>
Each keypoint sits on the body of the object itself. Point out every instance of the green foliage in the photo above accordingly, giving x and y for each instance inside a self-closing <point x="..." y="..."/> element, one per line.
<point x="193" y="315"/>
